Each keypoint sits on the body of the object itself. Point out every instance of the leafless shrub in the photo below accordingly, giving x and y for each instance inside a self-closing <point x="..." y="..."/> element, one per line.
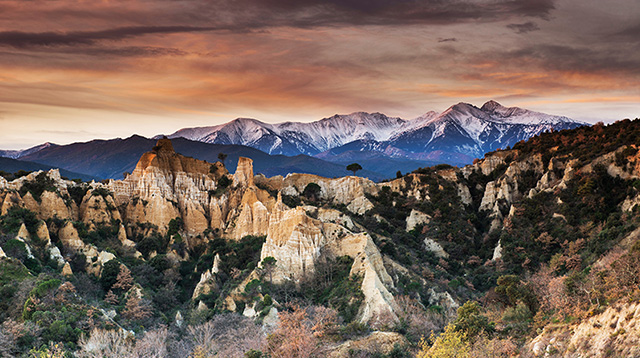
<point x="107" y="344"/>
<point x="416" y="321"/>
<point x="493" y="348"/>
<point x="300" y="332"/>
<point x="225" y="335"/>
<point x="153" y="344"/>
<point x="11" y="331"/>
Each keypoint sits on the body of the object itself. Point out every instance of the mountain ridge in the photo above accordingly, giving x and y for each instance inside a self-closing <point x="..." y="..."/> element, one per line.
<point x="462" y="131"/>
<point x="109" y="159"/>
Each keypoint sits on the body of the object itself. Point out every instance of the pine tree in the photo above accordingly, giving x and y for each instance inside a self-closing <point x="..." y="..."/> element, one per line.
<point x="111" y="298"/>
<point x="134" y="310"/>
<point x="124" y="281"/>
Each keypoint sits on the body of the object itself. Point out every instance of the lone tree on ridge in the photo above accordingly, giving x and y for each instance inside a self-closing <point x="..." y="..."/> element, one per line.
<point x="222" y="157"/>
<point x="354" y="167"/>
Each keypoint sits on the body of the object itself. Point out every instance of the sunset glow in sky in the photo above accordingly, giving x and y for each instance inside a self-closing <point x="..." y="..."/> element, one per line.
<point x="80" y="70"/>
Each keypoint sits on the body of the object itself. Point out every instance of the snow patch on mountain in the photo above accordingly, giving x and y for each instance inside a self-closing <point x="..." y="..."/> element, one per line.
<point x="463" y="128"/>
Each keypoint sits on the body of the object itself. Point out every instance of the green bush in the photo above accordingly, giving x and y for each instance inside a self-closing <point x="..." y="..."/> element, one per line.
<point x="101" y="191"/>
<point x="60" y="331"/>
<point x="77" y="192"/>
<point x="15" y="217"/>
<point x="154" y="242"/>
<point x="312" y="191"/>
<point x="39" y="185"/>
<point x="109" y="274"/>
<point x="44" y="287"/>
<point x="15" y="248"/>
<point x="471" y="322"/>
<point x="224" y="182"/>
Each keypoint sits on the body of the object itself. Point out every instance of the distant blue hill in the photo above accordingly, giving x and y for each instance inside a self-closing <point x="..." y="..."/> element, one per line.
<point x="10" y="165"/>
<point x="109" y="159"/>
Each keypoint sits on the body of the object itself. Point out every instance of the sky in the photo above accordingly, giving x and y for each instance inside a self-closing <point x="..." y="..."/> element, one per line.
<point x="79" y="70"/>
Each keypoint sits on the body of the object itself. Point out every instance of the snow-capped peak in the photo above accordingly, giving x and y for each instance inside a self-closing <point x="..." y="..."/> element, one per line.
<point x="488" y="124"/>
<point x="522" y="116"/>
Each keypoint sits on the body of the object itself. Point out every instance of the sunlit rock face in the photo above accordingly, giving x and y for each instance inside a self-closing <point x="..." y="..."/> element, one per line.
<point x="298" y="241"/>
<point x="166" y="185"/>
<point x="348" y="191"/>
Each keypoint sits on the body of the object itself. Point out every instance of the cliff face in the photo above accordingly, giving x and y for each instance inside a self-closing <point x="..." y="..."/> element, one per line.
<point x="297" y="241"/>
<point x="166" y="185"/>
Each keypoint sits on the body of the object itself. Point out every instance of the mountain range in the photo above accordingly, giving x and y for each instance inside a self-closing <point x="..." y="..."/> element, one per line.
<point x="456" y="136"/>
<point x="382" y="145"/>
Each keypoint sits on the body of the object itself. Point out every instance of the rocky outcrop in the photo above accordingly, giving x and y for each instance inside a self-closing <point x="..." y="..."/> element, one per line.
<point x="408" y="185"/>
<point x="42" y="232"/>
<point x="497" y="252"/>
<point x="433" y="246"/>
<point x="23" y="233"/>
<point x="97" y="209"/>
<point x="333" y="216"/>
<point x="51" y="205"/>
<point x="297" y="241"/>
<point x="207" y="281"/>
<point x="70" y="239"/>
<point x="444" y="300"/>
<point x="376" y="282"/>
<point x="294" y="240"/>
<point x="349" y="191"/>
<point x="416" y="218"/>
<point x="612" y="333"/>
<point x="250" y="217"/>
<point x="66" y="270"/>
<point x="166" y="185"/>
<point x="244" y="173"/>
<point x="72" y="243"/>
<point x="11" y="199"/>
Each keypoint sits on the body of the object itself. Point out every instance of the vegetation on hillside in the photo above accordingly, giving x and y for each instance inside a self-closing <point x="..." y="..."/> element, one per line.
<point x="564" y="259"/>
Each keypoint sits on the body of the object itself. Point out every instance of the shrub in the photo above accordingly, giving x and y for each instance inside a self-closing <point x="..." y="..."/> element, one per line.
<point x="109" y="275"/>
<point x="77" y="192"/>
<point x="470" y="322"/>
<point x="44" y="287"/>
<point x="311" y="191"/>
<point x="224" y="182"/>
<point x="39" y="185"/>
<point x="15" y="248"/>
<point x="15" y="217"/>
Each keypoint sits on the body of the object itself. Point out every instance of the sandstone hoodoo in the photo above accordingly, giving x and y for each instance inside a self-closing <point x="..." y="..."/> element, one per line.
<point x="530" y="250"/>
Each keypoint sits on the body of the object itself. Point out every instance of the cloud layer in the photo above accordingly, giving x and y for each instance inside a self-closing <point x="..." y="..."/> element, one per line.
<point x="210" y="61"/>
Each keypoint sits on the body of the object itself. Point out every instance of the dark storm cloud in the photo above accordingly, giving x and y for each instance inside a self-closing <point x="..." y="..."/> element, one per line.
<point x="260" y="15"/>
<point x="398" y="10"/>
<point x="524" y="28"/>
<point x="20" y="39"/>
<point x="252" y="14"/>
<point x="533" y="8"/>
<point x="632" y="33"/>
<point x="128" y="51"/>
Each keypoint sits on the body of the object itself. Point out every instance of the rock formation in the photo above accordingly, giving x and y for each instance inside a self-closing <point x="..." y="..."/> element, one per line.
<point x="166" y="185"/>
<point x="416" y="218"/>
<point x="207" y="281"/>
